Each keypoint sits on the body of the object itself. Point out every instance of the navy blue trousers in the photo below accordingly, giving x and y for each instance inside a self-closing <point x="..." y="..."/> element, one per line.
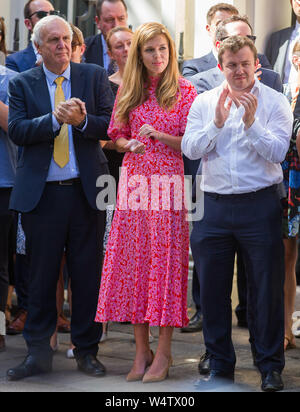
<point x="63" y="222"/>
<point x="251" y="222"/>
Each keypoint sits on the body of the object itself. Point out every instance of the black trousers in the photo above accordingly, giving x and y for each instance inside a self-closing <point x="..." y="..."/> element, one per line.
<point x="253" y="223"/>
<point x="6" y="247"/>
<point x="63" y="221"/>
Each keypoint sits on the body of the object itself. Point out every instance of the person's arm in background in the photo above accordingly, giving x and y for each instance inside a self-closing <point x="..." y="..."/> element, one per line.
<point x="3" y="116"/>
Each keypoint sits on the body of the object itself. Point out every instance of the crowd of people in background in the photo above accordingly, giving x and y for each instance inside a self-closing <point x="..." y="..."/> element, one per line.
<point x="73" y="110"/>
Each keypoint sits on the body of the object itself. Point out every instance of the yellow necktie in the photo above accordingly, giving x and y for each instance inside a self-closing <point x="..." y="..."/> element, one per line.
<point x="61" y="144"/>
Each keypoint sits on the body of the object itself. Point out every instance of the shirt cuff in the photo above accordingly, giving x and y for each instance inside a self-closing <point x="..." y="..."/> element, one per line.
<point x="255" y="132"/>
<point x="82" y="128"/>
<point x="212" y="131"/>
<point x="55" y="125"/>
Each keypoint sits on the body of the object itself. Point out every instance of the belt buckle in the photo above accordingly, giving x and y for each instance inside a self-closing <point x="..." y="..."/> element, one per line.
<point x="66" y="183"/>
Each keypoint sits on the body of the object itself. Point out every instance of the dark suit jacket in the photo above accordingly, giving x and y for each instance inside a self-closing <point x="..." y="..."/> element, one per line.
<point x="207" y="62"/>
<point x="202" y="64"/>
<point x="22" y="60"/>
<point x="94" y="50"/>
<point x="30" y="126"/>
<point x="277" y="48"/>
<point x="214" y="77"/>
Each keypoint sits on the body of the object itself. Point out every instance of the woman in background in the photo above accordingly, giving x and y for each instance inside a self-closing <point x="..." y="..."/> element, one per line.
<point x="118" y="44"/>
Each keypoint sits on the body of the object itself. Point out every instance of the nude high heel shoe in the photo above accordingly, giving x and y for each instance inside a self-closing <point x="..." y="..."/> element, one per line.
<point x="134" y="377"/>
<point x="148" y="378"/>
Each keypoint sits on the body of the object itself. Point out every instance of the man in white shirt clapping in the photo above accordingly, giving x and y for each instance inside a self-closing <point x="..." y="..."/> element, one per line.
<point x="242" y="131"/>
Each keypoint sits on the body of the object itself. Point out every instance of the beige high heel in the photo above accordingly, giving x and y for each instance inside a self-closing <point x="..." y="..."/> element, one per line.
<point x="134" y="377"/>
<point x="148" y="378"/>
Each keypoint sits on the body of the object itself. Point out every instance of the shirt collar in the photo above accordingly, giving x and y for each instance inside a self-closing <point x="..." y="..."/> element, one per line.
<point x="51" y="77"/>
<point x="297" y="29"/>
<point x="256" y="89"/>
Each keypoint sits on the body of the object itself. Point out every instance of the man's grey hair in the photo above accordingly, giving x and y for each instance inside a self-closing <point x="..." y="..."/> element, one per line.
<point x="37" y="35"/>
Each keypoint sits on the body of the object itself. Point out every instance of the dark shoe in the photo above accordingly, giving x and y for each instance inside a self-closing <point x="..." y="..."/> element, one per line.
<point x="90" y="365"/>
<point x="242" y="320"/>
<point x="204" y="364"/>
<point x="30" y="367"/>
<point x="2" y="344"/>
<point x="215" y="380"/>
<point x="272" y="382"/>
<point x="17" y="325"/>
<point x="195" y="325"/>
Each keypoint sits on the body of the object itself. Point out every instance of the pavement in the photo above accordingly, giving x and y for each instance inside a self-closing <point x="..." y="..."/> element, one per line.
<point x="117" y="354"/>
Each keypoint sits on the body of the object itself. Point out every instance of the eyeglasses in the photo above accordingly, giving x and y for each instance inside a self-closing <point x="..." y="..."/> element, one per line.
<point x="41" y="14"/>
<point x="252" y="38"/>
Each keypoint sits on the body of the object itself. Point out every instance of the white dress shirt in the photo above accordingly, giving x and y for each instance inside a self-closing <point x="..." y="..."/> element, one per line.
<point x="234" y="160"/>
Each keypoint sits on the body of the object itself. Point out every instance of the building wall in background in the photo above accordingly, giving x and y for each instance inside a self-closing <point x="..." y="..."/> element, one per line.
<point x="188" y="16"/>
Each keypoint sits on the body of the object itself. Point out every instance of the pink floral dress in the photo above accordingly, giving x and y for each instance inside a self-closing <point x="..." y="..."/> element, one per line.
<point x="145" y="271"/>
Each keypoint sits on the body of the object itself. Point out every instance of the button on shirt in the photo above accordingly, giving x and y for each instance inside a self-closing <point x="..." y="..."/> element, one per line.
<point x="71" y="170"/>
<point x="8" y="150"/>
<point x="236" y="160"/>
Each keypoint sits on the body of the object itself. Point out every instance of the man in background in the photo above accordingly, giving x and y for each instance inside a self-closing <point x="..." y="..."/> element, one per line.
<point x="23" y="60"/>
<point x="280" y="46"/>
<point x="110" y="13"/>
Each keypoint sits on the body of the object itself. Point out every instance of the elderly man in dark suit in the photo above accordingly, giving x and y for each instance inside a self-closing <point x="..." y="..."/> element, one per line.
<point x="110" y="13"/>
<point x="58" y="113"/>
<point x="26" y="59"/>
<point x="280" y="47"/>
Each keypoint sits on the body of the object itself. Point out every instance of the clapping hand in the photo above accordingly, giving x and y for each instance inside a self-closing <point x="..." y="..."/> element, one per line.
<point x="72" y="112"/>
<point x="250" y="103"/>
<point x="222" y="111"/>
<point x="258" y="72"/>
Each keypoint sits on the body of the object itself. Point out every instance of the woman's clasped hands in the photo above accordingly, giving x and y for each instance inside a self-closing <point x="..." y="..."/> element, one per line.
<point x="138" y="147"/>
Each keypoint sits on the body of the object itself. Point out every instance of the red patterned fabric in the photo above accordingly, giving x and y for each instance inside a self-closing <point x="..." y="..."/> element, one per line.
<point x="145" y="271"/>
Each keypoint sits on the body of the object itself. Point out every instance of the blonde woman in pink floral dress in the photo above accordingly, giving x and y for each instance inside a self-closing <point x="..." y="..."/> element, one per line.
<point x="145" y="271"/>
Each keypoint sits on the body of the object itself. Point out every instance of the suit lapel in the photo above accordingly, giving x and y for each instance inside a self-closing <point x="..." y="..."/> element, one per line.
<point x="211" y="58"/>
<point x="282" y="54"/>
<point x="40" y="88"/>
<point x="29" y="57"/>
<point x="77" y="81"/>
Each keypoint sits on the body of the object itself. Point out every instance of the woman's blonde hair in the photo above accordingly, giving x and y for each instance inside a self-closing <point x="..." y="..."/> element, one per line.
<point x="135" y="80"/>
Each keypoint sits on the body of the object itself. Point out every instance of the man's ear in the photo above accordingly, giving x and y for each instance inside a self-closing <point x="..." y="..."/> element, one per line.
<point x="37" y="47"/>
<point x="28" y="24"/>
<point x="220" y="67"/>
<point x="97" y="21"/>
<point x="257" y="63"/>
<point x="218" y="44"/>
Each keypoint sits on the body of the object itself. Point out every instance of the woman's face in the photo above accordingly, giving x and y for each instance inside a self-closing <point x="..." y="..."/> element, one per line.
<point x="156" y="55"/>
<point x="120" y="43"/>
